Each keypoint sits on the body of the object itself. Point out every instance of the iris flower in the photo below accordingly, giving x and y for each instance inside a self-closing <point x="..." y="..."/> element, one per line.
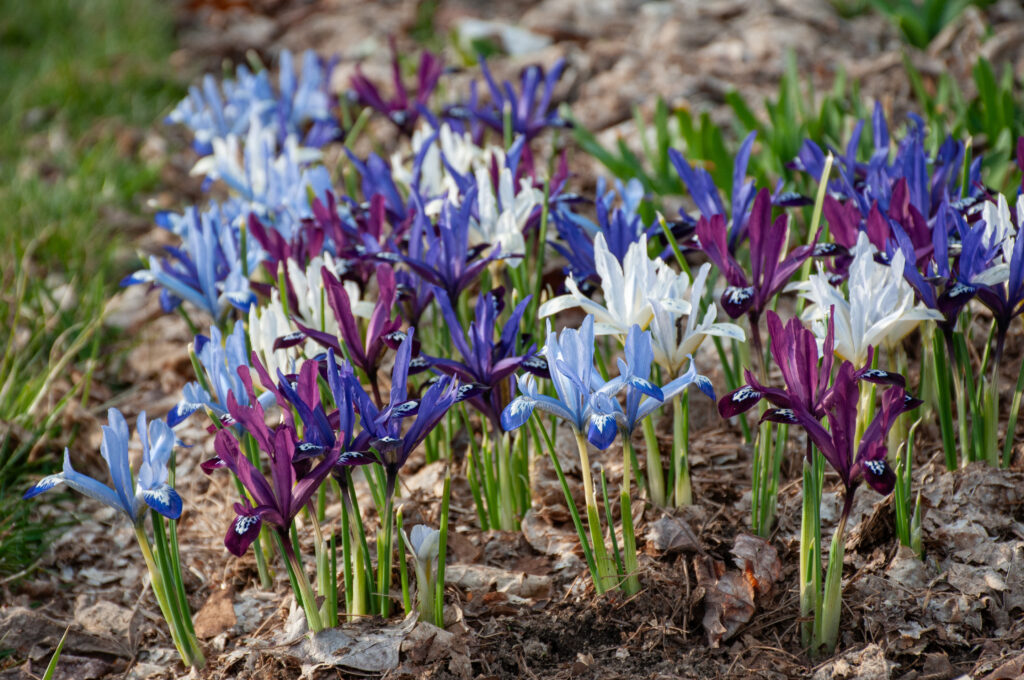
<point x="402" y="109"/>
<point x="881" y="307"/>
<point x="206" y="271"/>
<point x="570" y="358"/>
<point x="855" y="461"/>
<point x="705" y="194"/>
<point x="277" y="500"/>
<point x="806" y="371"/>
<point x="382" y="440"/>
<point x="221" y="361"/>
<point x="128" y="496"/>
<point x="642" y="396"/>
<point x="365" y="353"/>
<point x="628" y="289"/>
<point x="487" y="361"/>
<point x="621" y="226"/>
<point x="769" y="272"/>
<point x="501" y="218"/>
<point x="448" y="261"/>
<point x="530" y="107"/>
<point x="301" y="105"/>
<point x="675" y="341"/>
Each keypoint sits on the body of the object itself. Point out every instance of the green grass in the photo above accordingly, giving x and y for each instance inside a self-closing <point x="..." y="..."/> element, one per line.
<point x="76" y="78"/>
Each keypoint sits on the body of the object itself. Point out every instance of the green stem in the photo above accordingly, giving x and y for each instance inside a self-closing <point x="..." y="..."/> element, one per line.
<point x="442" y="551"/>
<point x="631" y="585"/>
<point x="159" y="583"/>
<point x="588" y="554"/>
<point x="832" y="603"/>
<point x="655" y="473"/>
<point x="303" y="590"/>
<point x="681" y="450"/>
<point x="605" y="570"/>
<point x="403" y="569"/>
<point x="1011" y="424"/>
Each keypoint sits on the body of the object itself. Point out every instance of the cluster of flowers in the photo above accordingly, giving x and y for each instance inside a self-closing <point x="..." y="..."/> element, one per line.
<point x="345" y="313"/>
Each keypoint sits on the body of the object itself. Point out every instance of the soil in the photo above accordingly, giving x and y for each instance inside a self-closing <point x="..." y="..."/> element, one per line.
<point x="715" y="602"/>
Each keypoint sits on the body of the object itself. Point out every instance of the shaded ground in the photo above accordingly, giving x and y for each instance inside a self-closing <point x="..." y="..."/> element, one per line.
<point x="518" y="605"/>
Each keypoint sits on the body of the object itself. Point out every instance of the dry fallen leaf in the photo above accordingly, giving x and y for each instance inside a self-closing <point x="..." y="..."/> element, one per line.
<point x="759" y="561"/>
<point x="728" y="598"/>
<point x="671" y="535"/>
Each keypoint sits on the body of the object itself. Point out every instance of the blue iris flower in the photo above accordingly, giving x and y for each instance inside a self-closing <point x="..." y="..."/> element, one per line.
<point x="221" y="359"/>
<point x="127" y="496"/>
<point x="583" y="396"/>
<point x="642" y="396"/>
<point x="300" y="104"/>
<point x="206" y="270"/>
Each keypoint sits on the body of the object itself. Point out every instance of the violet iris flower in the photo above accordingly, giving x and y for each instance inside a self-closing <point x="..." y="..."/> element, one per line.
<point x="621" y="226"/>
<point x="382" y="440"/>
<point x="128" y="496"/>
<point x="769" y="270"/>
<point x="705" y="194"/>
<point x="365" y="353"/>
<point x="277" y="500"/>
<point x="402" y="109"/>
<point x="530" y="107"/>
<point x="875" y="181"/>
<point x="448" y="261"/>
<point x="486" y="361"/>
<point x="855" y="461"/>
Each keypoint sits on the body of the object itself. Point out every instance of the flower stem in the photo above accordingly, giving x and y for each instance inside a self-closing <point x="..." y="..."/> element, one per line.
<point x="655" y="473"/>
<point x="571" y="504"/>
<point x="605" y="569"/>
<point x="442" y="551"/>
<point x="191" y="654"/>
<point x="300" y="583"/>
<point x="681" y="450"/>
<point x="632" y="583"/>
<point x="832" y="602"/>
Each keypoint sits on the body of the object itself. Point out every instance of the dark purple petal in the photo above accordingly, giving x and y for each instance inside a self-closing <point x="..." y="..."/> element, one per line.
<point x="739" y="401"/>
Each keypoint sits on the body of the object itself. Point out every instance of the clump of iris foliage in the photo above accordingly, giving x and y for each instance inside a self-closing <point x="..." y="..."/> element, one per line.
<point x="346" y="323"/>
<point x="75" y="77"/>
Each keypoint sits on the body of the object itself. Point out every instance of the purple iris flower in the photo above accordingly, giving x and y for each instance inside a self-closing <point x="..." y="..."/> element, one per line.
<point x="769" y="270"/>
<point x="530" y="107"/>
<point x="805" y="372"/>
<point x="277" y="500"/>
<point x="448" y="261"/>
<point x="382" y="440"/>
<point x="301" y="397"/>
<point x="402" y="109"/>
<point x="855" y="461"/>
<point x="486" y="361"/>
<point x="365" y="353"/>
